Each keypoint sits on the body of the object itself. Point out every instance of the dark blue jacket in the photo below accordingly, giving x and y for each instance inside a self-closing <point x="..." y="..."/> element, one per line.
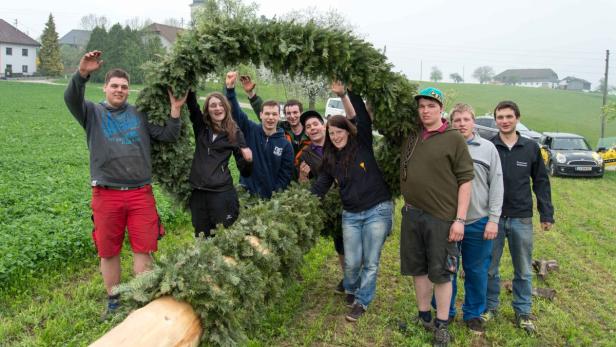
<point x="272" y="156"/>
<point x="521" y="164"/>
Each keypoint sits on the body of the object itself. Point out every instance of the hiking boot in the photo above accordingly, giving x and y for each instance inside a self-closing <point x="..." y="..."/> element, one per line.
<point x="339" y="288"/>
<point x="428" y="325"/>
<point x="488" y="316"/>
<point x="349" y="300"/>
<point x="356" y="312"/>
<point x="441" y="336"/>
<point x="475" y="325"/>
<point x="524" y="322"/>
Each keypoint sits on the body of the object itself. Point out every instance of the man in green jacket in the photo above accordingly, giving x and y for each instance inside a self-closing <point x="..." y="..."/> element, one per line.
<point x="436" y="170"/>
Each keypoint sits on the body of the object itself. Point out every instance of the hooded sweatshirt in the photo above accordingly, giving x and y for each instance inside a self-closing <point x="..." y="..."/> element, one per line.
<point x="118" y="138"/>
<point x="272" y="156"/>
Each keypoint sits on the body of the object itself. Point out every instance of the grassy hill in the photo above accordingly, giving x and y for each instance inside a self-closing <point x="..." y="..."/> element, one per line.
<point x="542" y="109"/>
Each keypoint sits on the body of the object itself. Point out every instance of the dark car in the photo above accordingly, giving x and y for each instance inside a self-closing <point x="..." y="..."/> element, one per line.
<point x="486" y="127"/>
<point x="570" y="155"/>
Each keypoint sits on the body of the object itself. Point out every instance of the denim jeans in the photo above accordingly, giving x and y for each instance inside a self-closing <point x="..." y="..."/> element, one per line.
<point x="364" y="234"/>
<point x="519" y="234"/>
<point x="476" y="255"/>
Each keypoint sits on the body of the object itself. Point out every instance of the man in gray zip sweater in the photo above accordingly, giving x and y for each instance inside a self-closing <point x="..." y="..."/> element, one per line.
<point x="482" y="218"/>
<point x="118" y="137"/>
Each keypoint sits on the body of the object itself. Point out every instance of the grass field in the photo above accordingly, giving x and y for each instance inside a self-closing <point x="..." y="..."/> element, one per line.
<point x="56" y="298"/>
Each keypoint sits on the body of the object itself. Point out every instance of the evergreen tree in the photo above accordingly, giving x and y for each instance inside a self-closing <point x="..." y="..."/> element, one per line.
<point x="49" y="55"/>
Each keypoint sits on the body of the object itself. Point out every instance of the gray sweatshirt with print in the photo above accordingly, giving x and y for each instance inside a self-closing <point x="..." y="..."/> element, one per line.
<point x="119" y="139"/>
<point x="487" y="187"/>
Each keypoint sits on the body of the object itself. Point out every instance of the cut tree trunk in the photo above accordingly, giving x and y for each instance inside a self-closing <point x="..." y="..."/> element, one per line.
<point x="164" y="322"/>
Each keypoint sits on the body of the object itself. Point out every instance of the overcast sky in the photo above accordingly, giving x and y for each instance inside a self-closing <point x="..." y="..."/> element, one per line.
<point x="568" y="36"/>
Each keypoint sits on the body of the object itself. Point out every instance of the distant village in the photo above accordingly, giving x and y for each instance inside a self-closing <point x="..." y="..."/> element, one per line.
<point x="19" y="57"/>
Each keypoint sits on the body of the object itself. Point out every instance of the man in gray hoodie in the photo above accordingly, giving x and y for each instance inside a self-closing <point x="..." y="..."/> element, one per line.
<point x="484" y="211"/>
<point x="118" y="137"/>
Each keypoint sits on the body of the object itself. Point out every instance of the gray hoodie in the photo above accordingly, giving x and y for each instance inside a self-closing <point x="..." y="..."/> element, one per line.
<point x="118" y="138"/>
<point x="487" y="191"/>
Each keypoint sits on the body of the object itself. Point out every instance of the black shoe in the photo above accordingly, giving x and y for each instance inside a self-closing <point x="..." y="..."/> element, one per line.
<point x="356" y="312"/>
<point x="475" y="325"/>
<point x="339" y="288"/>
<point x="441" y="336"/>
<point x="349" y="300"/>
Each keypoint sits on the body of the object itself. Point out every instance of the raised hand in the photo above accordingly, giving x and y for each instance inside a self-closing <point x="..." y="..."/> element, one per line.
<point x="90" y="62"/>
<point x="230" y="79"/>
<point x="248" y="84"/>
<point x="338" y="88"/>
<point x="176" y="104"/>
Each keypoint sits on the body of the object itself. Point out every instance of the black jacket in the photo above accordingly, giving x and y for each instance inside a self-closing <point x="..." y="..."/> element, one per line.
<point x="362" y="185"/>
<point x="210" y="166"/>
<point x="520" y="164"/>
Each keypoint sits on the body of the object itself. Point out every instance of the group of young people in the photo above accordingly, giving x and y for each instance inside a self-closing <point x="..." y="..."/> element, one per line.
<point x="462" y="194"/>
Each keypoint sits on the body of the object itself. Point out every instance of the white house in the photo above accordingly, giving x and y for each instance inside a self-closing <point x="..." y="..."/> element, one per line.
<point x="538" y="78"/>
<point x="166" y="33"/>
<point x="17" y="51"/>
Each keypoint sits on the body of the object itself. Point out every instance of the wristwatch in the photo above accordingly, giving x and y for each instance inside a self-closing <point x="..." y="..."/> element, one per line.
<point x="461" y="220"/>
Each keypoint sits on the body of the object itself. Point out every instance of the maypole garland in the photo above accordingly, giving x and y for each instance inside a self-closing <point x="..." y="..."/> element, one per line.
<point x="226" y="279"/>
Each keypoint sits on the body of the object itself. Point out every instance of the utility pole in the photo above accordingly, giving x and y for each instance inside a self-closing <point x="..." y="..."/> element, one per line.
<point x="607" y="64"/>
<point x="463" y="75"/>
<point x="420" y="70"/>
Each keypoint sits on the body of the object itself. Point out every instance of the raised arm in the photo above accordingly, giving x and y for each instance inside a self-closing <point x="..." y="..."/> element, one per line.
<point x="236" y="111"/>
<point x="75" y="92"/>
<point x="249" y="88"/>
<point x="196" y="116"/>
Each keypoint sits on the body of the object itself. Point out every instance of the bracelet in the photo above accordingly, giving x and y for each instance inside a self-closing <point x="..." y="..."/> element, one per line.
<point x="461" y="220"/>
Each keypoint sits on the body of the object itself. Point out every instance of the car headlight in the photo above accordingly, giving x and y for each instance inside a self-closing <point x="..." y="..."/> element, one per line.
<point x="560" y="158"/>
<point x="597" y="158"/>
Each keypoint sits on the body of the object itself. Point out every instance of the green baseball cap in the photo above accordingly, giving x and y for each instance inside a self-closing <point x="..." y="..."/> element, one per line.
<point x="431" y="93"/>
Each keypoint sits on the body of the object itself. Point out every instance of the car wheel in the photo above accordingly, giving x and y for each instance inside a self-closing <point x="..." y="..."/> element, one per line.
<point x="552" y="169"/>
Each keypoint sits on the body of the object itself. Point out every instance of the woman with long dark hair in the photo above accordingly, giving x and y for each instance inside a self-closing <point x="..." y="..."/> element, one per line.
<point x="214" y="200"/>
<point x="348" y="159"/>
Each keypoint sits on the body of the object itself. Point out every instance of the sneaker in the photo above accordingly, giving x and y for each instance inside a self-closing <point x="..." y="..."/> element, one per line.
<point x="427" y="325"/>
<point x="356" y="312"/>
<point x="475" y="325"/>
<point x="339" y="288"/>
<point x="349" y="300"/>
<point x="524" y="322"/>
<point x="488" y="316"/>
<point x="441" y="337"/>
<point x="113" y="307"/>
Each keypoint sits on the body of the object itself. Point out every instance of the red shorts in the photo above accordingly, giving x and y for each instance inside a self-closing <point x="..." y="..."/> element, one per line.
<point x="114" y="211"/>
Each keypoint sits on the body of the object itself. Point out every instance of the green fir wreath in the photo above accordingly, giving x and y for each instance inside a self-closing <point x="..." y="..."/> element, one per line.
<point x="228" y="278"/>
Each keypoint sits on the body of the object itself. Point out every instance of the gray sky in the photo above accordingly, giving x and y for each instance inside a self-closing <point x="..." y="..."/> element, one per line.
<point x="569" y="36"/>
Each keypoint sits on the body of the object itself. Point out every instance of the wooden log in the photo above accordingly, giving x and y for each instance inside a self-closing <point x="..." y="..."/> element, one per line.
<point x="164" y="322"/>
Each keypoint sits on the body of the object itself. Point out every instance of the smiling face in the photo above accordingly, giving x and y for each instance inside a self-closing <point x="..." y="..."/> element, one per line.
<point x="315" y="130"/>
<point x="292" y="114"/>
<point x="270" y="115"/>
<point x="506" y="121"/>
<point x="464" y="122"/>
<point x="338" y="136"/>
<point x="216" y="110"/>
<point x="429" y="113"/>
<point x="116" y="91"/>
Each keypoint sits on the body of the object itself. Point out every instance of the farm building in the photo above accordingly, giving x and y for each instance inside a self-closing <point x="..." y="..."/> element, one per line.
<point x="17" y="52"/>
<point x="574" y="83"/>
<point x="538" y="78"/>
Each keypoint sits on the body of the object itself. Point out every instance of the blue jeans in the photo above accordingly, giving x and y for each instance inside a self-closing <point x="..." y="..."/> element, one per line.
<point x="519" y="234"/>
<point x="364" y="234"/>
<point x="476" y="255"/>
